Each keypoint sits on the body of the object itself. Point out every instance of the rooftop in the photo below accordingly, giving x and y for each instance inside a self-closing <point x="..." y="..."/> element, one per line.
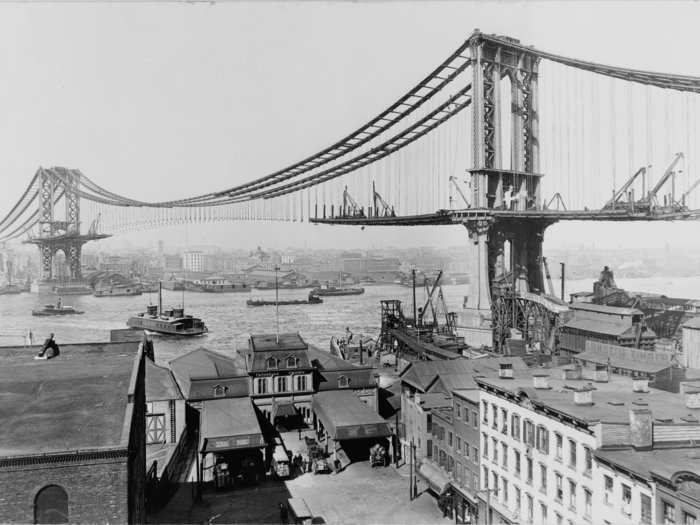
<point x="160" y="383"/>
<point x="605" y="309"/>
<point x="612" y="401"/>
<point x="626" y="358"/>
<point x="270" y="342"/>
<point x="665" y="463"/>
<point x="77" y="400"/>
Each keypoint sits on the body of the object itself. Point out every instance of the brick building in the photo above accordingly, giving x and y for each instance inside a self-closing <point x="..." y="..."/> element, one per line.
<point x="72" y="442"/>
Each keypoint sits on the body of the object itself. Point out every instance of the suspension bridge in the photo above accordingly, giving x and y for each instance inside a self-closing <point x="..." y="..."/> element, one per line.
<point x="502" y="138"/>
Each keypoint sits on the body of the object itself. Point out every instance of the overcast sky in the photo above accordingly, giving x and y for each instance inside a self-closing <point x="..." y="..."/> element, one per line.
<point x="162" y="101"/>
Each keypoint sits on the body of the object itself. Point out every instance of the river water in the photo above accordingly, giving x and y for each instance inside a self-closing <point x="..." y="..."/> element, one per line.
<point x="230" y="321"/>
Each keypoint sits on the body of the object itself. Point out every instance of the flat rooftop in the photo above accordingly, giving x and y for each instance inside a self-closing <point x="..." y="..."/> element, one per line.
<point x="612" y="401"/>
<point x="269" y="342"/>
<point x="663" y="462"/>
<point x="77" y="400"/>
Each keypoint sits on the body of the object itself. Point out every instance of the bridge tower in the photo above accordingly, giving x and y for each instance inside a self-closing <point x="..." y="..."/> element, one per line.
<point x="507" y="248"/>
<point x="56" y="235"/>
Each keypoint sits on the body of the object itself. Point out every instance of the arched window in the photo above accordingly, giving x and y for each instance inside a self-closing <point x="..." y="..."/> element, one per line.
<point x="291" y="362"/>
<point x="343" y="382"/>
<point x="51" y="505"/>
<point x="271" y="363"/>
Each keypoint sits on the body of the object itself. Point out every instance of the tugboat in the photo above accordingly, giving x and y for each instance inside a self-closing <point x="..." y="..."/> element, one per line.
<point x="172" y="321"/>
<point x="58" y="309"/>
<point x="312" y="299"/>
<point x="334" y="291"/>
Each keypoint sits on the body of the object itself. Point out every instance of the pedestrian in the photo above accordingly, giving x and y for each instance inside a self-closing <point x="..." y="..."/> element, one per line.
<point x="284" y="513"/>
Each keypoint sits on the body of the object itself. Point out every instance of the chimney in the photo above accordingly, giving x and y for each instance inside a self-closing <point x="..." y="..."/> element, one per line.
<point x="572" y="372"/>
<point x="692" y="396"/>
<point x="640" y="385"/>
<point x="416" y="398"/>
<point x="641" y="428"/>
<point x="540" y="381"/>
<point x="601" y="374"/>
<point x="505" y="370"/>
<point x="583" y="396"/>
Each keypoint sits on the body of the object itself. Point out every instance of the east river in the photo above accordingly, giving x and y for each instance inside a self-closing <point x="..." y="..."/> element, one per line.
<point x="230" y="321"/>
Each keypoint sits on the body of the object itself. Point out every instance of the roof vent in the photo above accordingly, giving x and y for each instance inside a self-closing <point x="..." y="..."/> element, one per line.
<point x="616" y="403"/>
<point x="540" y="381"/>
<point x="505" y="370"/>
<point x="640" y="403"/>
<point x="690" y="418"/>
<point x="640" y="386"/>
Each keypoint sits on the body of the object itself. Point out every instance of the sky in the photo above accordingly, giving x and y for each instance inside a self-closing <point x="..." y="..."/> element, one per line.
<point x="160" y="101"/>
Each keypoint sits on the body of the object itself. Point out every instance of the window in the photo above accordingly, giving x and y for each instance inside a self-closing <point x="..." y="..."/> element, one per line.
<point x="485" y="477"/>
<point x="220" y="391"/>
<point x="51" y="505"/>
<point x="494" y="477"/>
<point x="459" y="444"/>
<point x="475" y="455"/>
<point x="435" y="451"/>
<point x="261" y="385"/>
<point x="466" y="450"/>
<point x="504" y="421"/>
<point x="588" y="461"/>
<point x="429" y="422"/>
<point x="517" y="501"/>
<point x="475" y="419"/>
<point x="271" y="363"/>
<point x="494" y="449"/>
<point x="572" y="495"/>
<point x="669" y="512"/>
<point x="343" y="382"/>
<point x="689" y="519"/>
<point x="559" y="445"/>
<point x="504" y="455"/>
<point x="281" y="383"/>
<point x="543" y="479"/>
<point x="155" y="429"/>
<point x="291" y="362"/>
<point x="646" y="509"/>
<point x="515" y="427"/>
<point x="626" y="500"/>
<point x="542" y="439"/>
<point x="608" y="490"/>
<point x="504" y="482"/>
<point x="494" y="416"/>
<point x="458" y="410"/>
<point x="587" y="500"/>
<point x="485" y="448"/>
<point x="529" y="470"/>
<point x="300" y="383"/>
<point x="449" y="438"/>
<point x="516" y="455"/>
<point x="529" y="433"/>
<point x="543" y="513"/>
<point x="485" y="412"/>
<point x="559" y="496"/>
<point x="572" y="453"/>
<point x="528" y="498"/>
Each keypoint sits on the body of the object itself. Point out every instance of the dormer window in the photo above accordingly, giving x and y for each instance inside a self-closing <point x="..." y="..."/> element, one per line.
<point x="343" y="382"/>
<point x="220" y="391"/>
<point x="291" y="362"/>
<point x="271" y="363"/>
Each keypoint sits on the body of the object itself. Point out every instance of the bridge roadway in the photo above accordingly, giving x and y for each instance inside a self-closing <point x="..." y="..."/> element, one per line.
<point x="446" y="217"/>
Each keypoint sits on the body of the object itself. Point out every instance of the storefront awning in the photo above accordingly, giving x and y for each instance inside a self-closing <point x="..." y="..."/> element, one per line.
<point x="283" y="410"/>
<point x="345" y="416"/>
<point x="230" y="424"/>
<point x="434" y="476"/>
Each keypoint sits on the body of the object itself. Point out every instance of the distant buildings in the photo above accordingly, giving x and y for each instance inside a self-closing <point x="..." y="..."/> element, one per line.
<point x="193" y="261"/>
<point x="72" y="442"/>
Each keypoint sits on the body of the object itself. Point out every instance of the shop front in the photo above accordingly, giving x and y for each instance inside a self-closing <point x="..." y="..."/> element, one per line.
<point x="465" y="505"/>
<point x="231" y="444"/>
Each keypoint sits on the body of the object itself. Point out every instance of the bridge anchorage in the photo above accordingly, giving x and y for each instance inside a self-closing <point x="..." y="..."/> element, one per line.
<point x="54" y="235"/>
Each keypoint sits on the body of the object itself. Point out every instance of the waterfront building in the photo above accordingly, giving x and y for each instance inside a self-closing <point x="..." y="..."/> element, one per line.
<point x="607" y="324"/>
<point x="72" y="441"/>
<point x="690" y="355"/>
<point x="193" y="261"/>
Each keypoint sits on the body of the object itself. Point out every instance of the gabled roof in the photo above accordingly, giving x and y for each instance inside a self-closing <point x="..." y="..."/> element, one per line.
<point x="330" y="368"/>
<point x="160" y="383"/>
<point x="205" y="364"/>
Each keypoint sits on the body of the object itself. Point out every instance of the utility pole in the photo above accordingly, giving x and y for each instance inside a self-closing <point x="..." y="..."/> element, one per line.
<point x="563" y="270"/>
<point x="410" y="473"/>
<point x="277" y="307"/>
<point x="415" y="315"/>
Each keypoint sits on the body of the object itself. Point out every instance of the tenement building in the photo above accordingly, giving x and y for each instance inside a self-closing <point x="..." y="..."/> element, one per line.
<point x="542" y="430"/>
<point x="72" y="439"/>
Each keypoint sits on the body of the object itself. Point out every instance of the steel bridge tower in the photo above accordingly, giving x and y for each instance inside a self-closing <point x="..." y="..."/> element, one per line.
<point x="56" y="235"/>
<point x="507" y="250"/>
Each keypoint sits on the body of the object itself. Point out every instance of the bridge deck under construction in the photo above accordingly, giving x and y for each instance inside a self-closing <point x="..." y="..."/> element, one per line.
<point x="423" y="348"/>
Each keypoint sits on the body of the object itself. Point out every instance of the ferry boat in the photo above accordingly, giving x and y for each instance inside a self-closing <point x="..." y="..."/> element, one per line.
<point x="51" y="309"/>
<point x="172" y="321"/>
<point x="312" y="299"/>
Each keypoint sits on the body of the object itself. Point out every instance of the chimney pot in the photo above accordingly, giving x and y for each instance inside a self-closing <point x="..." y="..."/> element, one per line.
<point x="641" y="428"/>
<point x="640" y="385"/>
<point x="540" y="381"/>
<point x="692" y="396"/>
<point x="505" y="370"/>
<point x="583" y="396"/>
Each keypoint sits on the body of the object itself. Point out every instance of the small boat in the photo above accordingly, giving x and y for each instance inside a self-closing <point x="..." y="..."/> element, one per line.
<point x="51" y="309"/>
<point x="11" y="289"/>
<point x="118" y="290"/>
<point x="172" y="321"/>
<point x="312" y="299"/>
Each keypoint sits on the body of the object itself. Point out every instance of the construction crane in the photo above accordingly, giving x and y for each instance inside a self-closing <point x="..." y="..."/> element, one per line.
<point x="650" y="199"/>
<point x="453" y="180"/>
<point x="350" y="207"/>
<point x="380" y="203"/>
<point x="549" y="277"/>
<point x="615" y="200"/>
